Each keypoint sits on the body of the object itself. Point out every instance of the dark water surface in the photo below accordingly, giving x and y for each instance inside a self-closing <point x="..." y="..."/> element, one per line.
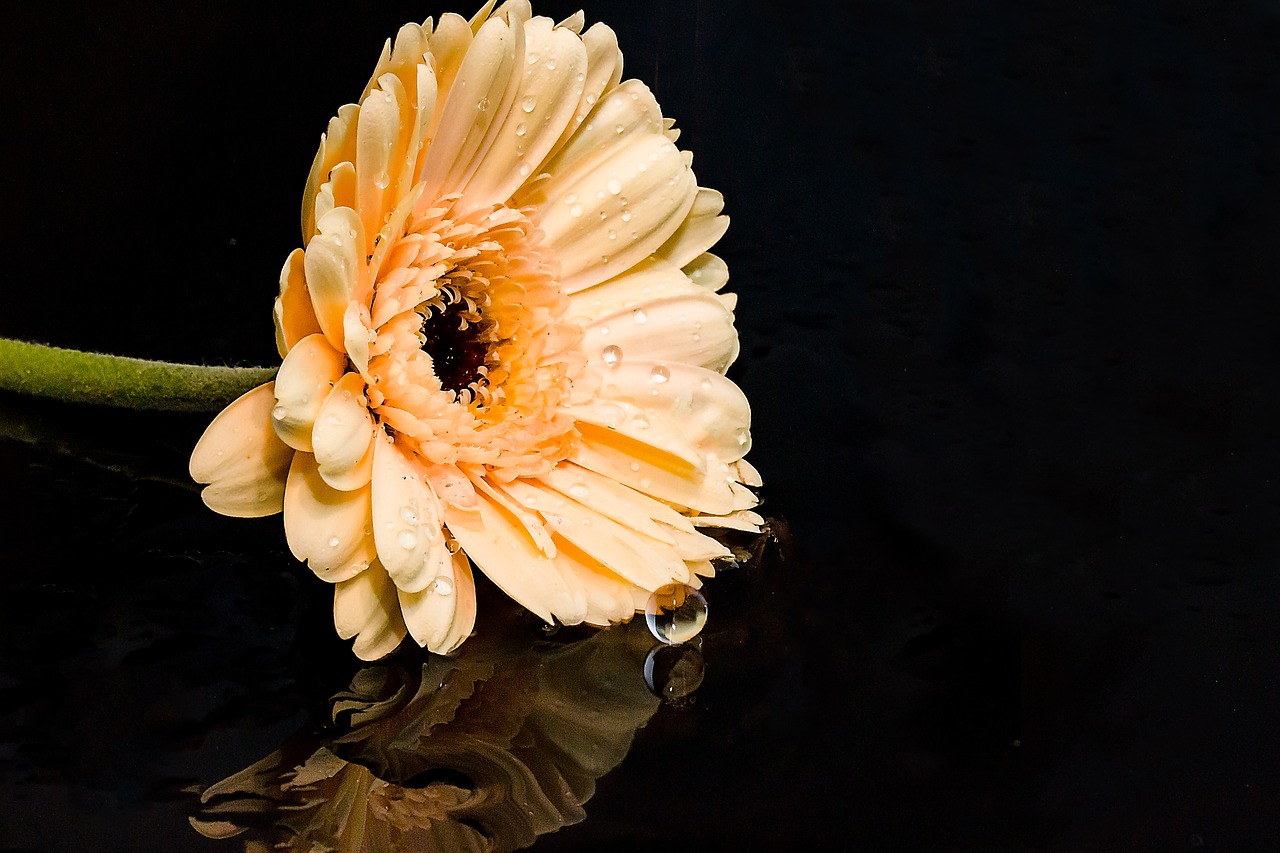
<point x="1008" y="279"/>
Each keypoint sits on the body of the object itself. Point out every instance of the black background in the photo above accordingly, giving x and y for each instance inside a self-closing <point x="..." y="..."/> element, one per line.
<point x="1008" y="278"/>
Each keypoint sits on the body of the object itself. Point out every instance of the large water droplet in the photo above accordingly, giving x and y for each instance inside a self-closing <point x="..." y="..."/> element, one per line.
<point x="482" y="104"/>
<point x="611" y="355"/>
<point x="659" y="374"/>
<point x="614" y="186"/>
<point x="640" y="317"/>
<point x="674" y="672"/>
<point x="382" y="180"/>
<point x="521" y="130"/>
<point x="334" y="541"/>
<point x="442" y="586"/>
<point x="528" y="104"/>
<point x="407" y="540"/>
<point x="579" y="491"/>
<point x="279" y="413"/>
<point x="408" y="514"/>
<point x="575" y="211"/>
<point x="675" y="613"/>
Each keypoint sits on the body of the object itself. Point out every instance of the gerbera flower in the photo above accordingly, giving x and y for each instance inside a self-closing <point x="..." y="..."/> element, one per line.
<point x="503" y="344"/>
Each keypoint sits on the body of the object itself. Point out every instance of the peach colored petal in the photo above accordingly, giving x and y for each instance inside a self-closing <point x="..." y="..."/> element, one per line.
<point x="634" y="465"/>
<point x="648" y="280"/>
<point x="367" y="608"/>
<point x="498" y="545"/>
<point x="477" y="97"/>
<point x="407" y="521"/>
<point x="694" y="329"/>
<point x="645" y="178"/>
<point x="625" y="112"/>
<point x="547" y="94"/>
<point x="241" y="459"/>
<point x="712" y="412"/>
<point x="700" y="230"/>
<point x="306" y="376"/>
<point x="294" y="316"/>
<point x="604" y="70"/>
<point x="343" y="434"/>
<point x="441" y="616"/>
<point x="333" y="263"/>
<point x="708" y="271"/>
<point x="645" y="562"/>
<point x="326" y="528"/>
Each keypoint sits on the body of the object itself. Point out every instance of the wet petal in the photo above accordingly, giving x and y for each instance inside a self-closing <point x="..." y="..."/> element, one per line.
<point x="367" y="608"/>
<point x="342" y="435"/>
<point x="306" y="376"/>
<point x="407" y="521"/>
<point x="694" y="329"/>
<point x="333" y="262"/>
<point x="441" y="616"/>
<point x="242" y="459"/>
<point x="326" y="528"/>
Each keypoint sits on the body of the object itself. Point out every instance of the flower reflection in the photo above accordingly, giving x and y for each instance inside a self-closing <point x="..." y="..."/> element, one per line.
<point x="486" y="750"/>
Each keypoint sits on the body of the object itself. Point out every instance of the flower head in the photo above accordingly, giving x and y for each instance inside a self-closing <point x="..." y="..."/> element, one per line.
<point x="503" y="344"/>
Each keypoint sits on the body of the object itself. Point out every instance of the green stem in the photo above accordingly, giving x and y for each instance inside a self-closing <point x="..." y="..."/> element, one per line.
<point x="112" y="380"/>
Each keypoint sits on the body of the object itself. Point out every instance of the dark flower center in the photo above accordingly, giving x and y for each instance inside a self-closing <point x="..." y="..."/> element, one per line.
<point x="458" y="353"/>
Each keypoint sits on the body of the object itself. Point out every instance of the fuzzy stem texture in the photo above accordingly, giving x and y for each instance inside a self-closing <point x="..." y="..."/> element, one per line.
<point x="85" y="377"/>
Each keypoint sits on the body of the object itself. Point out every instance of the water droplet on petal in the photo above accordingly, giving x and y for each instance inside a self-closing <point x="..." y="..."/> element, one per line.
<point x="611" y="355"/>
<point x="551" y="65"/>
<point x="659" y="374"/>
<point x="407" y="540"/>
<point x="279" y="413"/>
<point x="442" y="586"/>
<point x="334" y="541"/>
<point x="482" y="104"/>
<point x="639" y="316"/>
<point x="626" y="216"/>
<point x="382" y="180"/>
<point x="525" y="169"/>
<point x="407" y="513"/>
<point x="743" y="436"/>
<point x="521" y="130"/>
<point x="613" y="235"/>
<point x="634" y="466"/>
<point x="675" y="613"/>
<point x="614" y="186"/>
<point x="575" y="211"/>
<point x="579" y="491"/>
<point x="618" y="128"/>
<point x="528" y="104"/>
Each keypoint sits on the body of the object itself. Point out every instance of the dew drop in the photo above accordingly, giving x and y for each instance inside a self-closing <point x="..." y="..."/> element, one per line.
<point x="525" y="169"/>
<point x="482" y="104"/>
<point x="279" y="413"/>
<point x="611" y="355"/>
<point x="575" y="211"/>
<point x="639" y="316"/>
<point x="659" y="374"/>
<point x="618" y="128"/>
<point x="614" y="186"/>
<point x="675" y="614"/>
<point x="334" y="541"/>
<point x="551" y="65"/>
<point x="743" y="436"/>
<point x="634" y="466"/>
<point x="613" y="235"/>
<point x="528" y="104"/>
<point x="579" y="491"/>
<point x="442" y="586"/>
<point x="604" y="330"/>
<point x="407" y="513"/>
<point x="570" y="198"/>
<point x="604" y="215"/>
<point x="407" y="540"/>
<point x="382" y="180"/>
<point x="640" y="422"/>
<point x="521" y="129"/>
<point x="642" y="166"/>
<point x="626" y="216"/>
